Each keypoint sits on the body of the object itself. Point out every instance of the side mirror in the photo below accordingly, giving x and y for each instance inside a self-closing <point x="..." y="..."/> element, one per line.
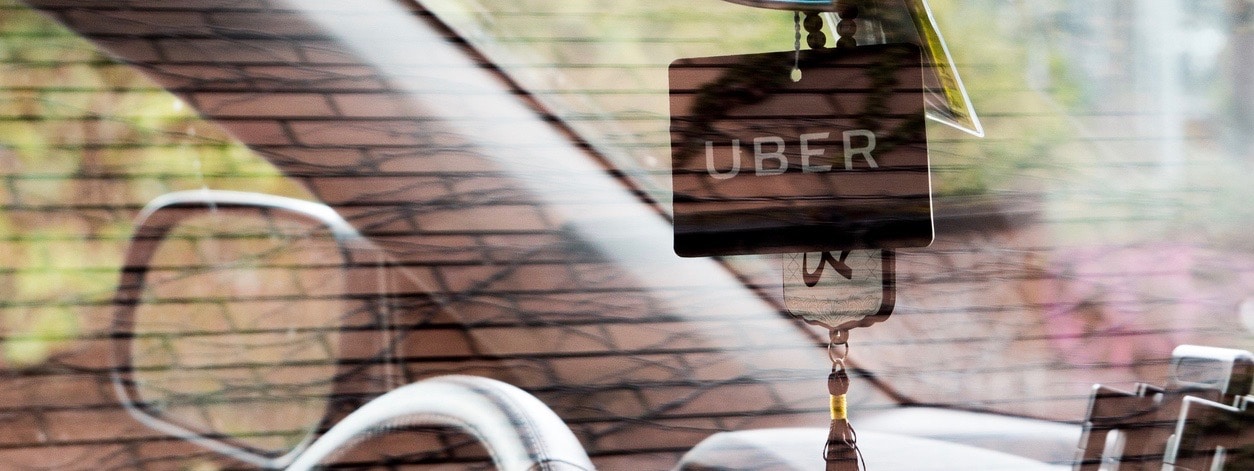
<point x="242" y="317"/>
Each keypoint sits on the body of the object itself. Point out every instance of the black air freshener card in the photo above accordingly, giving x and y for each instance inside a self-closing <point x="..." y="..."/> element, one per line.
<point x="835" y="161"/>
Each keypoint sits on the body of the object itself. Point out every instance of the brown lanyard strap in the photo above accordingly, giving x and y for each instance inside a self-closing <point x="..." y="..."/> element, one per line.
<point x="841" y="452"/>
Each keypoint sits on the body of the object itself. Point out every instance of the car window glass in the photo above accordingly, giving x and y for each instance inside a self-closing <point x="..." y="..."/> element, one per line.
<point x="85" y="142"/>
<point x="1099" y="223"/>
<point x="1102" y="220"/>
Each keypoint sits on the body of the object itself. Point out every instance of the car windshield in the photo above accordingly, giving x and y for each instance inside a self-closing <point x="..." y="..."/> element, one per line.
<point x="1100" y="222"/>
<point x="506" y="168"/>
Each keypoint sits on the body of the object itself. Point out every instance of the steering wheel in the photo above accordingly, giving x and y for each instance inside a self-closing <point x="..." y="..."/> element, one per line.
<point x="519" y="431"/>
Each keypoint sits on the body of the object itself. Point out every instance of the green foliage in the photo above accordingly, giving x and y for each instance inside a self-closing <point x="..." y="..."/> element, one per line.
<point x="1023" y="126"/>
<point x="69" y="116"/>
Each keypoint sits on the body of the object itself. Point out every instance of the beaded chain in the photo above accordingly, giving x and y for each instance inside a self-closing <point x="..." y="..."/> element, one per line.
<point x="847" y="27"/>
<point x="814" y="26"/>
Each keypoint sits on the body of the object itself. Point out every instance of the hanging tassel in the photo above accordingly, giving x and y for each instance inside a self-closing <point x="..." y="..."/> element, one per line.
<point x="841" y="451"/>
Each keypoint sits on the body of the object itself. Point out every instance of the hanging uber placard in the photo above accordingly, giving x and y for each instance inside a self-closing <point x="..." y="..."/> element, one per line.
<point x="764" y="161"/>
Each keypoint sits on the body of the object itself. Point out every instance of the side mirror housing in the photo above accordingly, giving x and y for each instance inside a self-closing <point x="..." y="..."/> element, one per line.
<point x="240" y="318"/>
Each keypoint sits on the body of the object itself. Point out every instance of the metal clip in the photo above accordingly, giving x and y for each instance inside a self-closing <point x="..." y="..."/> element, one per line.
<point x="838" y="347"/>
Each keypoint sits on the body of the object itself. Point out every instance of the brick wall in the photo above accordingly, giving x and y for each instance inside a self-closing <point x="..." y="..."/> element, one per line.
<point x="640" y="369"/>
<point x="504" y="274"/>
